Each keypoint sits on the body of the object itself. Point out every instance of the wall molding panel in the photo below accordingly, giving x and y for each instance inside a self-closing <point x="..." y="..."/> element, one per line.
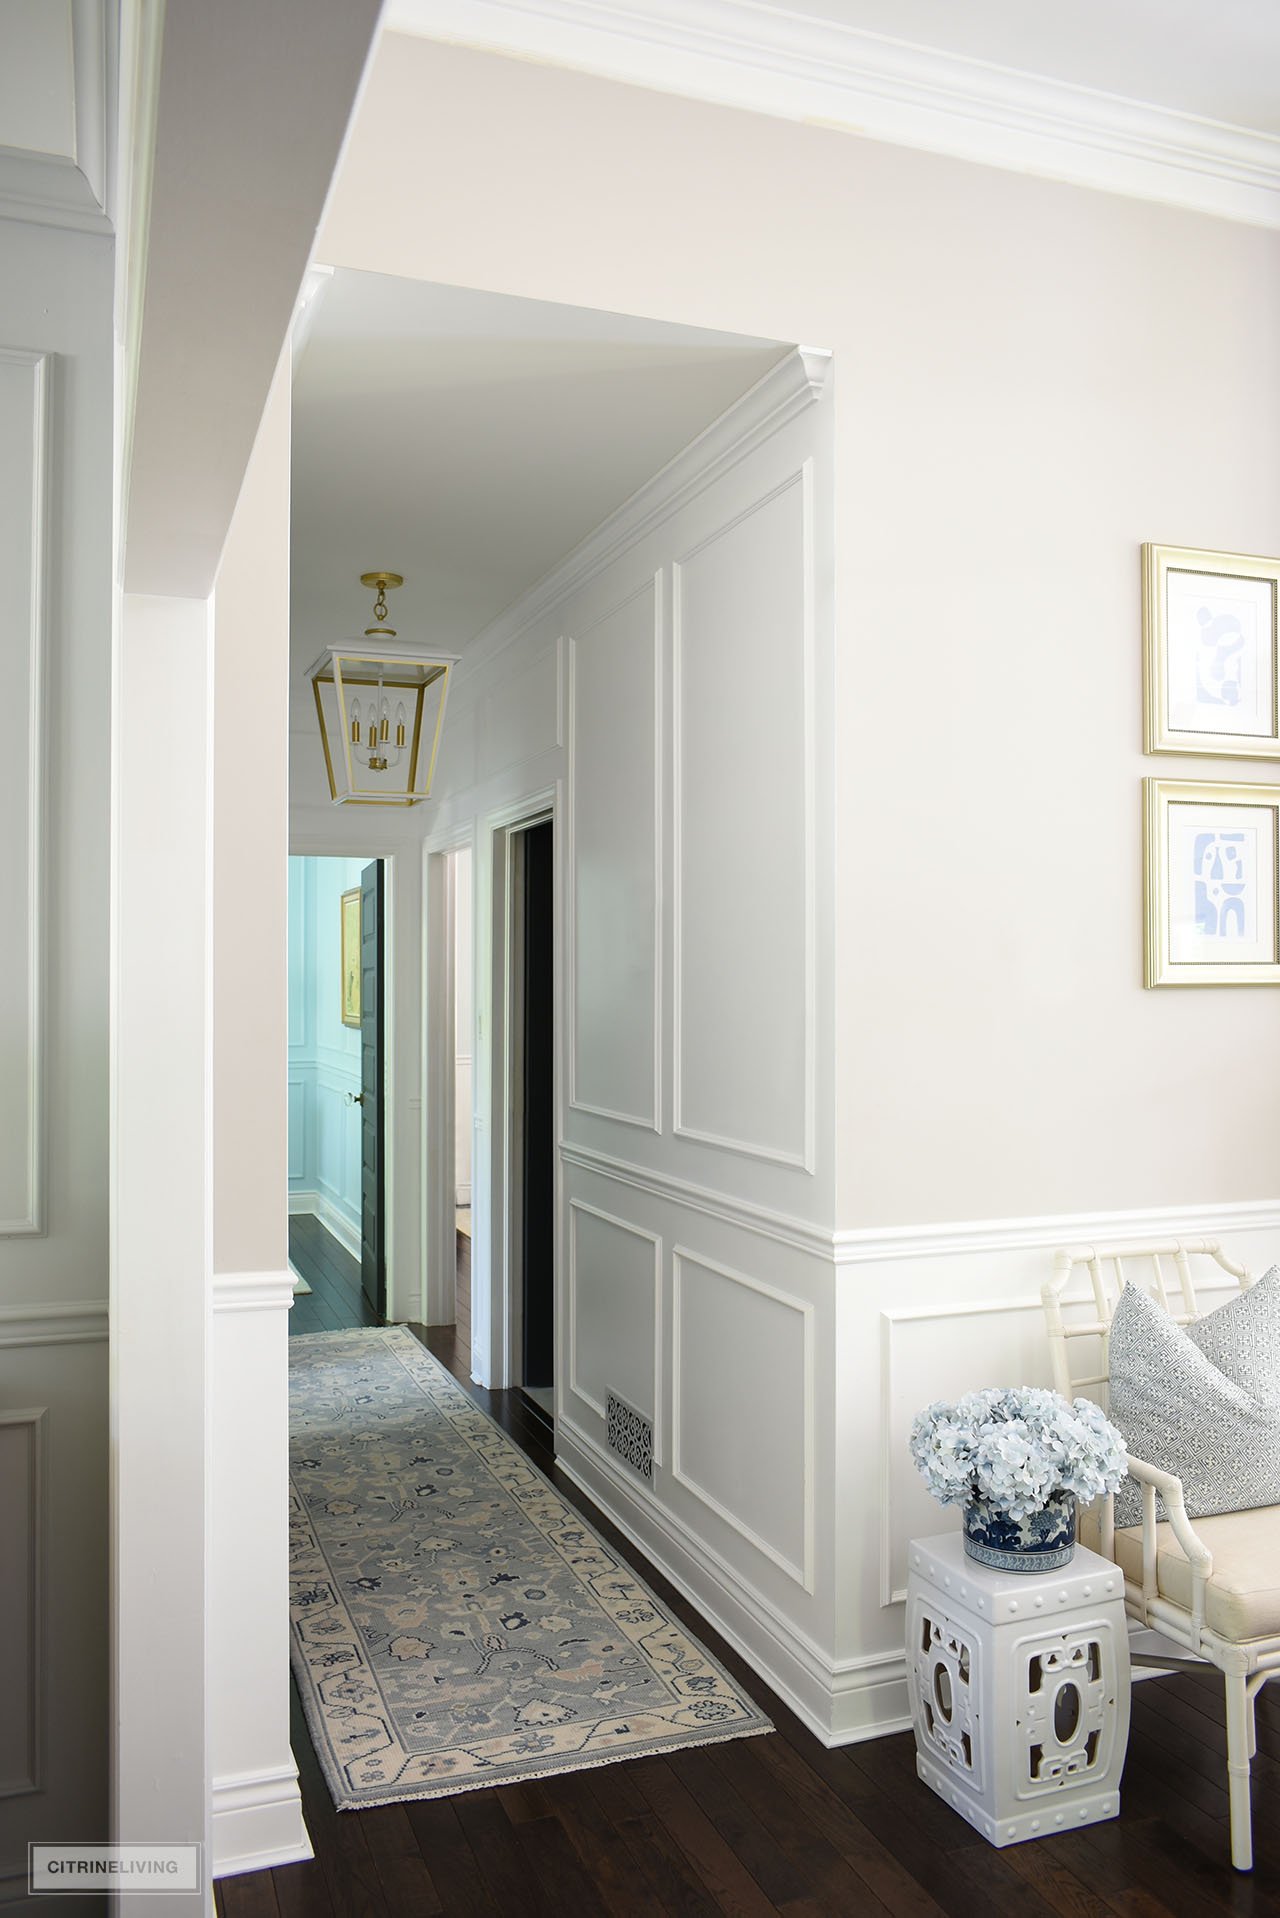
<point x="800" y="992"/>
<point x="578" y="1208"/>
<point x="801" y="1568"/>
<point x="61" y="177"/>
<point x="24" y="485"/>
<point x="23" y="1525"/>
<point x="650" y="1120"/>
<point x="799" y="67"/>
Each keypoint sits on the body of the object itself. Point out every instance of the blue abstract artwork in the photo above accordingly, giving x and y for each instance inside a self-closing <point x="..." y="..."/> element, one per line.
<point x="1221" y="884"/>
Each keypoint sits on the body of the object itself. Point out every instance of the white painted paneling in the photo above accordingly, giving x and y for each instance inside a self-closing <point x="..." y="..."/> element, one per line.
<point x="613" y="1315"/>
<point x="23" y="481"/>
<point x="743" y="884"/>
<point x="615" y="842"/>
<point x="743" y="1432"/>
<point x="37" y="79"/>
<point x="298" y="1120"/>
<point x="21" y="1597"/>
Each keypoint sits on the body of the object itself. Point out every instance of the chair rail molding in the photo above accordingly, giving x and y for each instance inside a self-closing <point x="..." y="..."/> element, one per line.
<point x="75" y="1322"/>
<point x="253" y="1291"/>
<point x="746" y="54"/>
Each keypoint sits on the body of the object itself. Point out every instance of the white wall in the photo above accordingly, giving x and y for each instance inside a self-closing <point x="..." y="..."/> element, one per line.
<point x="55" y="644"/>
<point x="324" y="1055"/>
<point x="257" y="1815"/>
<point x="1031" y="379"/>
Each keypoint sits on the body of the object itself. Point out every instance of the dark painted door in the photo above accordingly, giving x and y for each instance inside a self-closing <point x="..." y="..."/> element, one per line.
<point x="538" y="1226"/>
<point x="373" y="1258"/>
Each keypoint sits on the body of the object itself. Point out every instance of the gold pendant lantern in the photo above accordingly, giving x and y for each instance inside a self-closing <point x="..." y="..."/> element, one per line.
<point x="381" y="709"/>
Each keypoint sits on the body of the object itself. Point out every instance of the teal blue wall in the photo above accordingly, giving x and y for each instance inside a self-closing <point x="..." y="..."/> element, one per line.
<point x="324" y="1055"/>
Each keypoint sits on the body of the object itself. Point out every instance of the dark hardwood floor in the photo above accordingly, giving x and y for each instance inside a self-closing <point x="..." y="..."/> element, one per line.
<point x="335" y="1300"/>
<point x="777" y="1824"/>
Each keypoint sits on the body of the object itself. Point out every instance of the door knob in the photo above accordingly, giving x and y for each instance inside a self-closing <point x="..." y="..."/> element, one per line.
<point x="355" y="1098"/>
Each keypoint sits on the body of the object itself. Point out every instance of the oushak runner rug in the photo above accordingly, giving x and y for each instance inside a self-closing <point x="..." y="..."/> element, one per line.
<point x="455" y="1623"/>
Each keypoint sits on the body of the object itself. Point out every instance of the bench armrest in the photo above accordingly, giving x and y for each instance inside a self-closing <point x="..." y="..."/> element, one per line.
<point x="1155" y="1484"/>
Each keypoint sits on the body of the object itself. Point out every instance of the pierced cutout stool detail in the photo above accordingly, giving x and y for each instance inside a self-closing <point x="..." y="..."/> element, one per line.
<point x="1019" y="1689"/>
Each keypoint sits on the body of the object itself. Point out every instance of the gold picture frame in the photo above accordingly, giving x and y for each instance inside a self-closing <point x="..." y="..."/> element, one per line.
<point x="1211" y="652"/>
<point x="350" y="950"/>
<point x="1212" y="883"/>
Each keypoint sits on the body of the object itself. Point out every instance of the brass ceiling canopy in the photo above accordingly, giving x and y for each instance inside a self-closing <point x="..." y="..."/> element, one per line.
<point x="384" y="582"/>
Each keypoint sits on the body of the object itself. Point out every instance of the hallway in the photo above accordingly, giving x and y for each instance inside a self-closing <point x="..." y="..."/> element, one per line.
<point x="770" y="1825"/>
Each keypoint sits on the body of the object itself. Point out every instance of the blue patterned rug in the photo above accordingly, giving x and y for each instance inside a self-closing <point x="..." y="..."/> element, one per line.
<point x="455" y="1623"/>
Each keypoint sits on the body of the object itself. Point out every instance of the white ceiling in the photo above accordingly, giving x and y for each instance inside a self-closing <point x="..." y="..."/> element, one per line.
<point x="469" y="441"/>
<point x="1218" y="59"/>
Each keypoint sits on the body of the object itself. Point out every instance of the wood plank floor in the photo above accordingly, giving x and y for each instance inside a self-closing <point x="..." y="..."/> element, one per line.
<point x="778" y="1825"/>
<point x="336" y="1300"/>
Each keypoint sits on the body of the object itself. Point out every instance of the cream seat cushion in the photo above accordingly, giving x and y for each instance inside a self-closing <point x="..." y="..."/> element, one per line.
<point x="1243" y="1599"/>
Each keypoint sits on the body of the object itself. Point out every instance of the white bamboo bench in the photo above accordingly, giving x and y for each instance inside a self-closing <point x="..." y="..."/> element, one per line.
<point x="1212" y="1587"/>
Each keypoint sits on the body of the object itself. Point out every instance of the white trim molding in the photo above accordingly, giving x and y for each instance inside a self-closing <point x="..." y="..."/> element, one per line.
<point x="841" y="1702"/>
<point x="35" y="370"/>
<point x="79" y="1322"/>
<point x="874" y="1244"/>
<point x="70" y="189"/>
<point x="791" y="385"/>
<point x="330" y="1218"/>
<point x="253" y="1291"/>
<point x="257" y="1821"/>
<point x="628" y="1226"/>
<point x="747" y="54"/>
<point x="34" y="1706"/>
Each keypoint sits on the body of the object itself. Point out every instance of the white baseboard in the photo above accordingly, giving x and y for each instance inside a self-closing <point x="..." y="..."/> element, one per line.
<point x="347" y="1234"/>
<point x="257" y="1822"/>
<point x="841" y="1704"/>
<point x="464" y="1195"/>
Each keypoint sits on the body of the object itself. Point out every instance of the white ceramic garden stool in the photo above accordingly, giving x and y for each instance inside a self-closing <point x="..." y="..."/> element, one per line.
<point x="1019" y="1689"/>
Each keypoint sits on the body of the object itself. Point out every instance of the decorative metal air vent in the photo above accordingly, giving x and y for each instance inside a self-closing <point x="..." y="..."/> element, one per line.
<point x="630" y="1435"/>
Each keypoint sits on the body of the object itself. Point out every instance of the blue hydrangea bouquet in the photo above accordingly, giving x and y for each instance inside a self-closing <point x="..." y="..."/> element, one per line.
<point x="1017" y="1461"/>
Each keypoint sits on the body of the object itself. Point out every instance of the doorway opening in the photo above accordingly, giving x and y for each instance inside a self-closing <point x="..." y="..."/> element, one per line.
<point x="531" y="1111"/>
<point x="337" y="1105"/>
<point x="459" y="866"/>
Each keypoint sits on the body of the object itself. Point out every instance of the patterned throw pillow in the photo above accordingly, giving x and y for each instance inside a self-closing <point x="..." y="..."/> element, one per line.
<point x="1203" y="1402"/>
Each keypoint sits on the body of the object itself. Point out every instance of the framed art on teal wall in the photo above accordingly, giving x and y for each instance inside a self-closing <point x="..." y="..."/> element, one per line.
<point x="351" y="957"/>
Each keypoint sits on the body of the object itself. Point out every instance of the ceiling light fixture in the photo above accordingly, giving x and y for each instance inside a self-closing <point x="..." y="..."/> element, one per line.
<point x="381" y="710"/>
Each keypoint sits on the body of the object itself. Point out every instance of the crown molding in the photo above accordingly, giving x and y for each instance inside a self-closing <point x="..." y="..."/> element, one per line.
<point x="793" y="383"/>
<point x="744" y="53"/>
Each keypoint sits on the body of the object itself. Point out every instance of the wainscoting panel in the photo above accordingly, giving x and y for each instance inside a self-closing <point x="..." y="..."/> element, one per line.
<point x="614" y="846"/>
<point x="744" y="1407"/>
<point x="21" y="1598"/>
<point x="744" y="1039"/>
<point x="23" y="513"/>
<point x="298" y="1104"/>
<point x="614" y="1313"/>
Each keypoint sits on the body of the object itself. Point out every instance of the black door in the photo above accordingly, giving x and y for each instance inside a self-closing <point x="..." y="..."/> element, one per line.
<point x="538" y="1225"/>
<point x="373" y="1258"/>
